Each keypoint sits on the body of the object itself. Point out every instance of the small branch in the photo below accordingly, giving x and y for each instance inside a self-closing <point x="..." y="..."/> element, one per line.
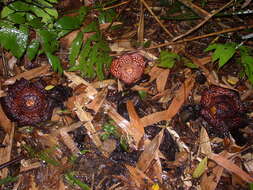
<point x="195" y="8"/>
<point x="203" y="36"/>
<point x="203" y="22"/>
<point x="14" y="161"/>
<point x="141" y="25"/>
<point x="156" y="18"/>
<point x="117" y="5"/>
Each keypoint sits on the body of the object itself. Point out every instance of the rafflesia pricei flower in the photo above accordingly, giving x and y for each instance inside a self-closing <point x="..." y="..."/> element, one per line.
<point x="26" y="103"/>
<point x="222" y="108"/>
<point x="128" y="67"/>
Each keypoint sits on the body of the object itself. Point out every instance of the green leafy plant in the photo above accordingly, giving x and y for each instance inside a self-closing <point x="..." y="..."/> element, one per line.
<point x="90" y="57"/>
<point x="142" y="94"/>
<point x="251" y="186"/>
<point x="224" y="52"/>
<point x="123" y="144"/>
<point x="200" y="169"/>
<point x="169" y="59"/>
<point x="247" y="61"/>
<point x="109" y="130"/>
<point x="44" y="155"/>
<point x="19" y="19"/>
<point x="8" y="179"/>
<point x="71" y="179"/>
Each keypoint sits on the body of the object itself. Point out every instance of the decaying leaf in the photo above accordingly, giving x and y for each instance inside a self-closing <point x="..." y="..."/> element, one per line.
<point x="162" y="80"/>
<point x="33" y="73"/>
<point x="125" y="127"/>
<point x="5" y="153"/>
<point x="138" y="176"/>
<point x="210" y="182"/>
<point x="205" y="145"/>
<point x="230" y="166"/>
<point x="98" y="101"/>
<point x="134" y="118"/>
<point x="149" y="153"/>
<point x="174" y="107"/>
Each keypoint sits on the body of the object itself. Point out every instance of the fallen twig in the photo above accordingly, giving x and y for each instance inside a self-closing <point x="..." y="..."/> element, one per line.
<point x="203" y="22"/>
<point x="203" y="36"/>
<point x="195" y="8"/>
<point x="156" y="18"/>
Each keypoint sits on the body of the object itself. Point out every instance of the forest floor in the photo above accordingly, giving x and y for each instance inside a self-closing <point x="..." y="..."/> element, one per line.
<point x="184" y="123"/>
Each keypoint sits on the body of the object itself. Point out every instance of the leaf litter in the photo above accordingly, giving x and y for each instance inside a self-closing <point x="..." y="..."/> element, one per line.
<point x="155" y="136"/>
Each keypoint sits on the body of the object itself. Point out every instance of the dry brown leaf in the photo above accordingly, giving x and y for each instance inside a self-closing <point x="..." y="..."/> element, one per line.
<point x="162" y="80"/>
<point x="69" y="142"/>
<point x="77" y="80"/>
<point x="31" y="166"/>
<point x="147" y="55"/>
<point x="96" y="104"/>
<point x="109" y="145"/>
<point x="72" y="127"/>
<point x="180" y="96"/>
<point x="156" y="171"/>
<point x="121" y="45"/>
<point x="5" y="153"/>
<point x="248" y="162"/>
<point x="165" y="93"/>
<point x="86" y="118"/>
<point x="230" y="166"/>
<point x="138" y="176"/>
<point x="103" y="83"/>
<point x="120" y="86"/>
<point x="5" y="123"/>
<point x="94" y="135"/>
<point x="201" y="62"/>
<point x="33" y="185"/>
<point x="210" y="182"/>
<point x="135" y="121"/>
<point x="61" y="185"/>
<point x="33" y="73"/>
<point x="83" y="116"/>
<point x="81" y="98"/>
<point x="181" y="158"/>
<point x="124" y="126"/>
<point x="48" y="140"/>
<point x="154" y="73"/>
<point x="154" y="118"/>
<point x="150" y="152"/>
<point x="204" y="141"/>
<point x="140" y="88"/>
<point x="2" y="93"/>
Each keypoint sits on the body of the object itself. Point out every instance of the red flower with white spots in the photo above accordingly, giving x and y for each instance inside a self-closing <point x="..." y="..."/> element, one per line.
<point x="128" y="67"/>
